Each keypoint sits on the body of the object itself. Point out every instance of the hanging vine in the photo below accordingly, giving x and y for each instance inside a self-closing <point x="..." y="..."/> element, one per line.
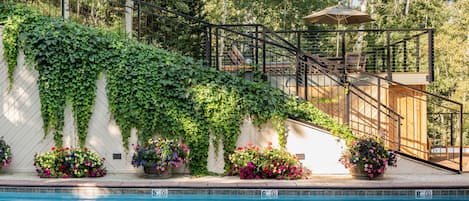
<point x="150" y="89"/>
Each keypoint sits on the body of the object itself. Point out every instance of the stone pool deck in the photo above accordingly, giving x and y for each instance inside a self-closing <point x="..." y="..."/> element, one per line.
<point x="449" y="181"/>
<point x="407" y="175"/>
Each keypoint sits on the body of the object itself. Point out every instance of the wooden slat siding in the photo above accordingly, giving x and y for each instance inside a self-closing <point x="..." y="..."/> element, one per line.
<point x="412" y="106"/>
<point x="364" y="117"/>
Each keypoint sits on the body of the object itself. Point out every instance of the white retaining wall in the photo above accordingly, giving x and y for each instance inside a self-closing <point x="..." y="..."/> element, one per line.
<point x="21" y="126"/>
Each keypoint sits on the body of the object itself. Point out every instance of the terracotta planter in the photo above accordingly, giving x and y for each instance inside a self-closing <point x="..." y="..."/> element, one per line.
<point x="151" y="172"/>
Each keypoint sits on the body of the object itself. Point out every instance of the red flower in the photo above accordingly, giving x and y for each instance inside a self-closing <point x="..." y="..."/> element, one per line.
<point x="53" y="148"/>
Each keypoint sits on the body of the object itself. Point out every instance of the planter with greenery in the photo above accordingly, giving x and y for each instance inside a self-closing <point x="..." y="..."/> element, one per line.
<point x="69" y="163"/>
<point x="252" y="162"/>
<point x="158" y="156"/>
<point x="368" y="158"/>
<point x="5" y="154"/>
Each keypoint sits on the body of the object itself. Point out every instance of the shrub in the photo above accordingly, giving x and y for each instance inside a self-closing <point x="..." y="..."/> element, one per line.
<point x="369" y="155"/>
<point x="252" y="162"/>
<point x="69" y="163"/>
<point x="5" y="154"/>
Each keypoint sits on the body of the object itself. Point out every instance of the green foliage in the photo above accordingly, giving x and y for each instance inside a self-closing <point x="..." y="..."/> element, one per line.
<point x="12" y="22"/>
<point x="275" y="14"/>
<point x="305" y="111"/>
<point x="394" y="14"/>
<point x="149" y="89"/>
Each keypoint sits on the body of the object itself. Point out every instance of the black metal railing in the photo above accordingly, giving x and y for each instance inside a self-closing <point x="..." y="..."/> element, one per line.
<point x="420" y="133"/>
<point x="299" y="63"/>
<point x="373" y="105"/>
<point x="392" y="50"/>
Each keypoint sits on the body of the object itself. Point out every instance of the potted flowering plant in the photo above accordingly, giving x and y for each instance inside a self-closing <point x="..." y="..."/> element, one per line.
<point x="252" y="162"/>
<point x="368" y="157"/>
<point x="158" y="156"/>
<point x="69" y="163"/>
<point x="5" y="154"/>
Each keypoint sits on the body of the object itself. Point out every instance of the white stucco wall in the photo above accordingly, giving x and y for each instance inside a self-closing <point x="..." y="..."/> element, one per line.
<point x="321" y="149"/>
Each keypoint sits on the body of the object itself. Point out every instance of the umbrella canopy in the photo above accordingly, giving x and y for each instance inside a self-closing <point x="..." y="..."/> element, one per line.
<point x="338" y="15"/>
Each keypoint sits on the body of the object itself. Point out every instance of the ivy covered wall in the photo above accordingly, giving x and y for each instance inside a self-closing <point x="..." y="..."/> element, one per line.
<point x="150" y="89"/>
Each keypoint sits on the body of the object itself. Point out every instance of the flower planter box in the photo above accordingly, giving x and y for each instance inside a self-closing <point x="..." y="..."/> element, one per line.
<point x="153" y="173"/>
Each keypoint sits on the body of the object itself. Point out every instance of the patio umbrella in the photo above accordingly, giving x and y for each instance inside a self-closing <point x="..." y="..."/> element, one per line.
<point x="338" y="15"/>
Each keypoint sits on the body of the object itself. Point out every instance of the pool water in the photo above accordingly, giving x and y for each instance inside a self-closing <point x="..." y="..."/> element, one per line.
<point x="16" y="196"/>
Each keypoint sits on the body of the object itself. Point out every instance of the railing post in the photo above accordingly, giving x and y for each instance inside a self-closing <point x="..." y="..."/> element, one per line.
<point x="256" y="45"/>
<point x="375" y="61"/>
<point x="388" y="54"/>
<point x="379" y="105"/>
<point x="461" y="126"/>
<point x="298" y="64"/>
<point x="298" y="40"/>
<point x="343" y="56"/>
<point x="398" y="133"/>
<point x="430" y="55"/>
<point x="264" y="55"/>
<point x="383" y="67"/>
<point x="217" y="63"/>
<point x="347" y="104"/>
<point x="405" y="56"/>
<point x="306" y="78"/>
<point x="344" y="80"/>
<point x="297" y="79"/>
<point x="417" y="54"/>
<point x="451" y="129"/>
<point x="393" y="58"/>
<point x="139" y="5"/>
<point x="209" y="46"/>
<point x="206" y="60"/>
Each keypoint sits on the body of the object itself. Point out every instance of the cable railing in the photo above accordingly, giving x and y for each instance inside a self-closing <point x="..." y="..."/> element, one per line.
<point x="313" y="65"/>
<point x="404" y="116"/>
<point x="392" y="50"/>
<point x="360" y="106"/>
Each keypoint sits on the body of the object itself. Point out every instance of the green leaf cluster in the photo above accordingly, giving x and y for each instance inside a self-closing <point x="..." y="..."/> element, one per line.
<point x="150" y="89"/>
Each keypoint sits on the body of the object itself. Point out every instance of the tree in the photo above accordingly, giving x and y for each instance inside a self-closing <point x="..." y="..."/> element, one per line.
<point x="275" y="14"/>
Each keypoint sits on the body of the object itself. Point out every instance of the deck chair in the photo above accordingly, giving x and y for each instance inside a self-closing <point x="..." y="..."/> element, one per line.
<point x="238" y="60"/>
<point x="355" y="62"/>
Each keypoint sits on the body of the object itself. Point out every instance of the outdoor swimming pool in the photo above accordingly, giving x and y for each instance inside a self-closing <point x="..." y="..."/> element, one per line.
<point x="359" y="195"/>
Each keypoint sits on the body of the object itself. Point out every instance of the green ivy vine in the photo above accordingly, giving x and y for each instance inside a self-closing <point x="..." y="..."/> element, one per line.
<point x="150" y="89"/>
